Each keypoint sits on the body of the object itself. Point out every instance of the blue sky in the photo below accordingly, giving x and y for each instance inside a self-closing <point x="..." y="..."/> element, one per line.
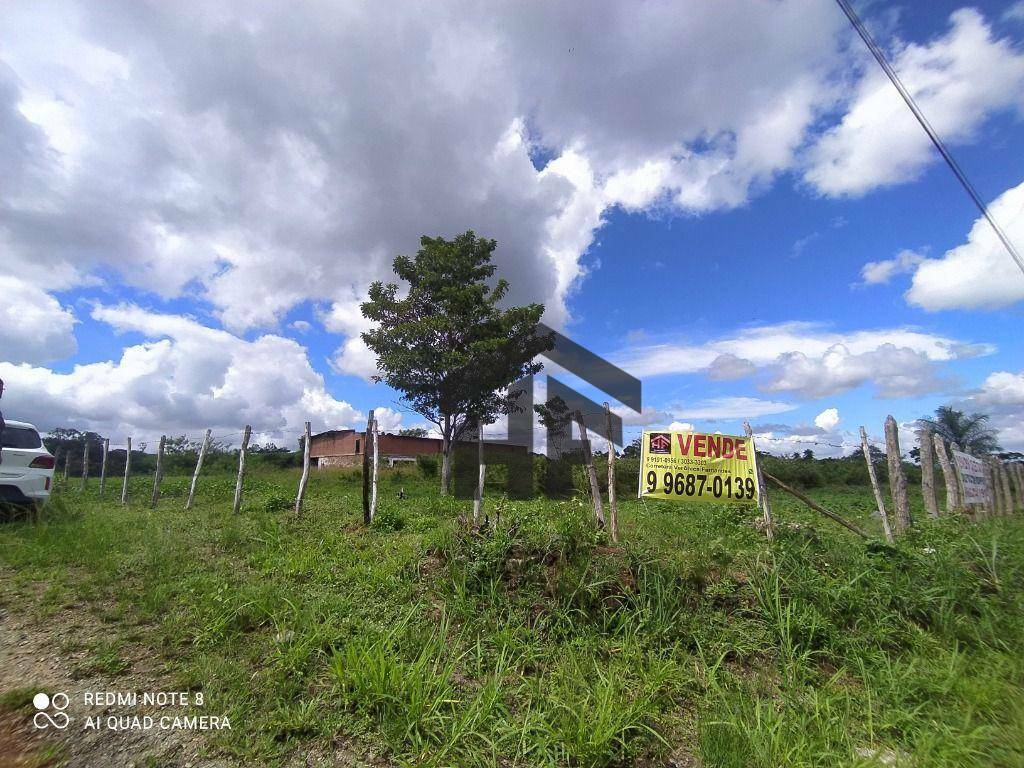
<point x="729" y="201"/>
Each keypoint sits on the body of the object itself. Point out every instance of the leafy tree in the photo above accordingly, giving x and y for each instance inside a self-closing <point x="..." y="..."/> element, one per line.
<point x="446" y="345"/>
<point x="181" y="444"/>
<point x="970" y="431"/>
<point x="412" y="432"/>
<point x="554" y="416"/>
<point x="268" y="448"/>
<point x="632" y="451"/>
<point x="69" y="446"/>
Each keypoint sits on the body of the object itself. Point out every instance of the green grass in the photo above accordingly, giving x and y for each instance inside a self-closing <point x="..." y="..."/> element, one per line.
<point x="538" y="643"/>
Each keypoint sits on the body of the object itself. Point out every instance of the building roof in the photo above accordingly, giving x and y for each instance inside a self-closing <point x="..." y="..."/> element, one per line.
<point x="331" y="432"/>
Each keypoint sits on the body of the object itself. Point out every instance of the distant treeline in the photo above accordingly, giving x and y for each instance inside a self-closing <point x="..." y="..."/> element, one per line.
<point x="180" y="455"/>
<point x="802" y="470"/>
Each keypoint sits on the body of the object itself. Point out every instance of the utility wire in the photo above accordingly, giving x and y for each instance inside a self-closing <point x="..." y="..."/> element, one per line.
<point x="909" y="99"/>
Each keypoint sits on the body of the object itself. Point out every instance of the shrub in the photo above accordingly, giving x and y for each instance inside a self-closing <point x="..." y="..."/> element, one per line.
<point x="276" y="502"/>
<point x="427" y="465"/>
<point x="388" y="519"/>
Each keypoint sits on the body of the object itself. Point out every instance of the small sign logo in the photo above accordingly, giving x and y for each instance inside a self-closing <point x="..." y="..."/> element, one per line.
<point x="661" y="442"/>
<point x="57" y="703"/>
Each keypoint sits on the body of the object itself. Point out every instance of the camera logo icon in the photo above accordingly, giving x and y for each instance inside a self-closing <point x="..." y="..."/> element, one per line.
<point x="50" y="711"/>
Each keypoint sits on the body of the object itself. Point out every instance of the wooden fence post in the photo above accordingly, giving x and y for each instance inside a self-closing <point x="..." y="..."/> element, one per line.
<point x="85" y="464"/>
<point x="879" y="499"/>
<point x="241" y="469"/>
<point x="999" y="486"/>
<point x="199" y="466"/>
<point x="376" y="464"/>
<point x="103" y="465"/>
<point x="763" y="500"/>
<point x="127" y="472"/>
<point x="366" y="470"/>
<point x="897" y="479"/>
<point x="67" y="464"/>
<point x="948" y="474"/>
<point x="1016" y="473"/>
<point x="613" y="504"/>
<point x="305" y="471"/>
<point x="1005" y="486"/>
<point x="1007" y="492"/>
<point x="158" y="476"/>
<point x="817" y="507"/>
<point x="478" y="495"/>
<point x="927" y="447"/>
<point x="1020" y="478"/>
<point x="588" y="460"/>
<point x="994" y="490"/>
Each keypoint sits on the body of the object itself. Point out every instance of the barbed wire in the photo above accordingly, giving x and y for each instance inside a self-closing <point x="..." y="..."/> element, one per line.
<point x="596" y="429"/>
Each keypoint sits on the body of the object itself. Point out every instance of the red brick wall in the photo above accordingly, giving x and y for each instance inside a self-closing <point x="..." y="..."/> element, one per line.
<point x="345" y="444"/>
<point x="335" y="444"/>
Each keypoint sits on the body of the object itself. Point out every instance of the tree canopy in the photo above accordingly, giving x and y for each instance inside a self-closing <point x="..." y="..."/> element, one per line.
<point x="970" y="431"/>
<point x="448" y="345"/>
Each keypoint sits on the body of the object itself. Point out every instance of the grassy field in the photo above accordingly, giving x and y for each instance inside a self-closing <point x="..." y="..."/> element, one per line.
<point x="694" y="643"/>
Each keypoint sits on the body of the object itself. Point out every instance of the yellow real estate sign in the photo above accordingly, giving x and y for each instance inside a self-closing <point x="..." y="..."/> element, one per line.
<point x="690" y="466"/>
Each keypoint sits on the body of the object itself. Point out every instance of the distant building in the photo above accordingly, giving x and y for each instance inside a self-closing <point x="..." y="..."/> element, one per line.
<point x="345" y="448"/>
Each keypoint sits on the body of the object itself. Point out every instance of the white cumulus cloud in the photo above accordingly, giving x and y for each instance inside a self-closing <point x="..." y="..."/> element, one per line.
<point x="879" y="272"/>
<point x="827" y="419"/>
<point x="184" y="378"/>
<point x="980" y="273"/>
<point x="958" y="80"/>
<point x="1001" y="396"/>
<point x="34" y="326"/>
<point x="810" y="359"/>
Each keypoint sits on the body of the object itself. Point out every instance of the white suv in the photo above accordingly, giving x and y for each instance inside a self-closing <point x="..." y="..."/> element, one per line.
<point x="26" y="467"/>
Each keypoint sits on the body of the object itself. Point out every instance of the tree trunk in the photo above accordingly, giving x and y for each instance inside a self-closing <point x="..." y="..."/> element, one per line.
<point x="588" y="460"/>
<point x="927" y="444"/>
<point x="305" y="472"/>
<point x="879" y="500"/>
<point x="103" y="465"/>
<point x="199" y="466"/>
<point x="85" y="465"/>
<point x="376" y="464"/>
<point x="948" y="474"/>
<point x="127" y="472"/>
<point x="366" y="470"/>
<point x="158" y="476"/>
<point x="613" y="505"/>
<point x="446" y="455"/>
<point x="240" y="482"/>
<point x="897" y="480"/>
<point x="478" y="496"/>
<point x="763" y="500"/>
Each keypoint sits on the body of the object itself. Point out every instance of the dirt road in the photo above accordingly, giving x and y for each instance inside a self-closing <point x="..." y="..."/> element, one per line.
<point x="51" y="656"/>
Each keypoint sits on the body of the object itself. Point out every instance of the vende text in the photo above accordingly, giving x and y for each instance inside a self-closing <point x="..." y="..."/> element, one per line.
<point x="712" y="446"/>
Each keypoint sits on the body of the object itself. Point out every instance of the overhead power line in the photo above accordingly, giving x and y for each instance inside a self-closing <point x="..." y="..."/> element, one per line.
<point x="936" y="140"/>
